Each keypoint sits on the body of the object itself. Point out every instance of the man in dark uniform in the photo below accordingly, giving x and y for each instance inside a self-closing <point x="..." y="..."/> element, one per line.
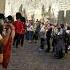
<point x="48" y="35"/>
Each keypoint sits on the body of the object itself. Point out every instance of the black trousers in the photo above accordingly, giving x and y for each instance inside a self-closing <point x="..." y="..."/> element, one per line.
<point x="54" y="42"/>
<point x="48" y="44"/>
<point x="66" y="48"/>
<point x="18" y="39"/>
<point x="22" y="39"/>
<point x="35" y="36"/>
<point x="42" y="43"/>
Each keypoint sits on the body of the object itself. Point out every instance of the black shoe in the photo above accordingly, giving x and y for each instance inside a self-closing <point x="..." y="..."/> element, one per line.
<point x="21" y="45"/>
<point x="16" y="46"/>
<point x="47" y="51"/>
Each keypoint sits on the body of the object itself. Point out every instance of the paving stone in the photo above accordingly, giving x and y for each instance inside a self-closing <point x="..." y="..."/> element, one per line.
<point x="29" y="57"/>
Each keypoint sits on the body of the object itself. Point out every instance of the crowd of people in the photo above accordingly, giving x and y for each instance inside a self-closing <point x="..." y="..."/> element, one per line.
<point x="13" y="33"/>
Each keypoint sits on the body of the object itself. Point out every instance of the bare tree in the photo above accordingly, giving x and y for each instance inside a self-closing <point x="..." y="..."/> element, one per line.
<point x="20" y="8"/>
<point x="24" y="13"/>
<point x="43" y="12"/>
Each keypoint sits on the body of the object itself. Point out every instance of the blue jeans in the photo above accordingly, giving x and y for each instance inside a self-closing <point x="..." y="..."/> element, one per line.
<point x="30" y="35"/>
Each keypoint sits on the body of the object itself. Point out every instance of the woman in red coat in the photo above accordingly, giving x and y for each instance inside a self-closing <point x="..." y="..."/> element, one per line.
<point x="6" y="51"/>
<point x="7" y="44"/>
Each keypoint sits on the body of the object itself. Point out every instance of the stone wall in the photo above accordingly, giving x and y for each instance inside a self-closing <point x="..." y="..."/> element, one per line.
<point x="68" y="16"/>
<point x="61" y="17"/>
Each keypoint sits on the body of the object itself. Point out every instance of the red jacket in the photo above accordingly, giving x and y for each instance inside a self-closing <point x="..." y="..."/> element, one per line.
<point x="19" y="27"/>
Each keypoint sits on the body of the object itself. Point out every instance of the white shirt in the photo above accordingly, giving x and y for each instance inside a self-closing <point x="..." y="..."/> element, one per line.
<point x="30" y="28"/>
<point x="68" y="31"/>
<point x="42" y="28"/>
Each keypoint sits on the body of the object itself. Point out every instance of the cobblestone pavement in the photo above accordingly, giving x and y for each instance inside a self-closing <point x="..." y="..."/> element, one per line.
<point x="29" y="57"/>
